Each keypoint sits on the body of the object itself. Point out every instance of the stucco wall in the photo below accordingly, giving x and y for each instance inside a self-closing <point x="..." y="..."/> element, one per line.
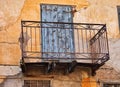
<point x="88" y="11"/>
<point x="79" y="78"/>
<point x="104" y="12"/>
<point x="10" y="27"/>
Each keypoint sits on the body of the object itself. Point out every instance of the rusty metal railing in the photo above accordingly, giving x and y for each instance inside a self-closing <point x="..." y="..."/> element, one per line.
<point x="64" y="42"/>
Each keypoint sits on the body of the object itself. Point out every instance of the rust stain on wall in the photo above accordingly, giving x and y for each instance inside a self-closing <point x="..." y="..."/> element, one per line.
<point x="89" y="82"/>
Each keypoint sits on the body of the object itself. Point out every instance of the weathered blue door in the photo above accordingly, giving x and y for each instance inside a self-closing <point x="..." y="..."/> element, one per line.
<point x="57" y="38"/>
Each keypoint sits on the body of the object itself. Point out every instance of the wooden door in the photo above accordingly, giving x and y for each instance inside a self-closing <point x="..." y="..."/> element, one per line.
<point x="57" y="39"/>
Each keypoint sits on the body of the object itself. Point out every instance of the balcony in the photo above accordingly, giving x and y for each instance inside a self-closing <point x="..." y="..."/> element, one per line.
<point x="57" y="44"/>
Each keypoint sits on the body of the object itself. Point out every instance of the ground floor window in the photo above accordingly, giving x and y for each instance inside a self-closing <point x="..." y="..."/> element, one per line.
<point x="36" y="83"/>
<point x="111" y="85"/>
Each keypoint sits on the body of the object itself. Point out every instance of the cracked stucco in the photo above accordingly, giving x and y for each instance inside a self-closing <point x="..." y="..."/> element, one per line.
<point x="12" y="11"/>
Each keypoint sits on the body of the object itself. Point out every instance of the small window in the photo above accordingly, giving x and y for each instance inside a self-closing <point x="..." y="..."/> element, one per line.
<point x="118" y="10"/>
<point x="36" y="83"/>
<point x="111" y="85"/>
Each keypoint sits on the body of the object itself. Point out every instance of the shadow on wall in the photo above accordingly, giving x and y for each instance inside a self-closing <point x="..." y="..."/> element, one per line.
<point x="23" y="39"/>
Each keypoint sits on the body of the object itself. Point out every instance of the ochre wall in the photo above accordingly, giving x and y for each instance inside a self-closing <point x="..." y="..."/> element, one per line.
<point x="11" y="14"/>
<point x="88" y="11"/>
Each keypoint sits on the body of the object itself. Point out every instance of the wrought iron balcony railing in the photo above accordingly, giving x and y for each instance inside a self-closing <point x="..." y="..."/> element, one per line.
<point x="64" y="42"/>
